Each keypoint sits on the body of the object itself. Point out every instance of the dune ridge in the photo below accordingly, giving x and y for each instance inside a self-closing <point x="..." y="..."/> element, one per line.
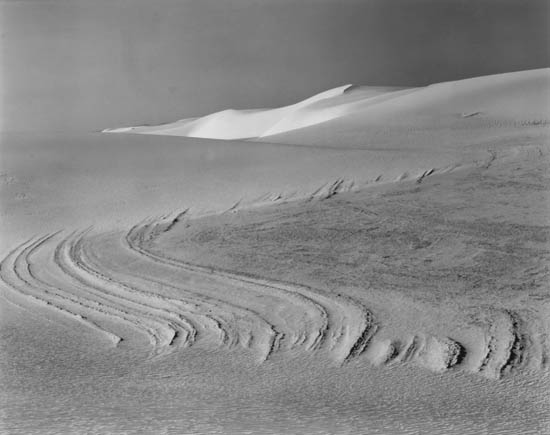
<point x="232" y="124"/>
<point x="508" y="99"/>
<point x="257" y="123"/>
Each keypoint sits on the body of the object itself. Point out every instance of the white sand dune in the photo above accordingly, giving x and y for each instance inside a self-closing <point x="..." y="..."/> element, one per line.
<point x="452" y="114"/>
<point x="244" y="124"/>
<point x="370" y="259"/>
<point x="345" y="115"/>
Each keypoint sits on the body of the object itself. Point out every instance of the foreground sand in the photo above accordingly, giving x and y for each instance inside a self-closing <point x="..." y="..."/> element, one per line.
<point x="173" y="285"/>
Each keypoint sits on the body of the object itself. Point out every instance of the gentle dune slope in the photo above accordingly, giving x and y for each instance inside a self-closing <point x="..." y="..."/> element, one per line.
<point x="452" y="113"/>
<point x="113" y="179"/>
<point x="244" y="124"/>
<point x="497" y="100"/>
<point x="332" y="108"/>
<point x="232" y="124"/>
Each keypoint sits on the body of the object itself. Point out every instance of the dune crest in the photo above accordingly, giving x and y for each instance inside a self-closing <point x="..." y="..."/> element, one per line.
<point x="497" y="100"/>
<point x="233" y="124"/>
<point x="257" y="123"/>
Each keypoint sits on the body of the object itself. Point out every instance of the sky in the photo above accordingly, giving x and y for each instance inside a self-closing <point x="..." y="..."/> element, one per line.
<point x="82" y="65"/>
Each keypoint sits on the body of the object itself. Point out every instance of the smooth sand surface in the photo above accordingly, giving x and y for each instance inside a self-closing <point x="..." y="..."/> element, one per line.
<point x="357" y="115"/>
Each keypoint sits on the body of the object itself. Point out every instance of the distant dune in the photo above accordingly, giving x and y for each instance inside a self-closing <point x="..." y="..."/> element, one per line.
<point x="341" y="115"/>
<point x="234" y="124"/>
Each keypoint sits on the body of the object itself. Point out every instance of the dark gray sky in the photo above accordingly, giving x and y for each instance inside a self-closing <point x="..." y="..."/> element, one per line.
<point x="90" y="64"/>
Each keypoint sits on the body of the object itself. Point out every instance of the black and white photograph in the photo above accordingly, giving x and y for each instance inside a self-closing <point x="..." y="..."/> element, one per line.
<point x="275" y="217"/>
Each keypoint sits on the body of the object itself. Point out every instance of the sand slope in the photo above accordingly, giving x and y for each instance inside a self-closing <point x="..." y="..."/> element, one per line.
<point x="351" y="116"/>
<point x="452" y="114"/>
<point x="421" y="297"/>
<point x="51" y="182"/>
<point x="382" y="268"/>
<point x="244" y="124"/>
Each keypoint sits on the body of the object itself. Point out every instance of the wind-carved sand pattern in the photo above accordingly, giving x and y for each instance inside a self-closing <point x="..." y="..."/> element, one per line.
<point x="512" y="345"/>
<point x="17" y="273"/>
<point x="311" y="319"/>
<point x="101" y="279"/>
<point x="86" y="277"/>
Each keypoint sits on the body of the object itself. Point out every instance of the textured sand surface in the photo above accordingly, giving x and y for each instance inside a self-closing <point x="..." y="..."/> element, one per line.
<point x="364" y="276"/>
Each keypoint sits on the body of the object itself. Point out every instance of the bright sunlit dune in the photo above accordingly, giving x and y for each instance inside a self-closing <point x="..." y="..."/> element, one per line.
<point x="254" y="123"/>
<point x="451" y="113"/>
<point x="232" y="124"/>
<point x="505" y="100"/>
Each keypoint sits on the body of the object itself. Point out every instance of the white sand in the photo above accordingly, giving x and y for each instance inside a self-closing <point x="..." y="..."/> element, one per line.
<point x="355" y="116"/>
<point x="381" y="267"/>
<point x="236" y="124"/>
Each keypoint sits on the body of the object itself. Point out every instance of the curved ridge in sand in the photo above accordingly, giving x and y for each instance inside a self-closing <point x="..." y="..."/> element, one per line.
<point x="110" y="278"/>
<point x="115" y="282"/>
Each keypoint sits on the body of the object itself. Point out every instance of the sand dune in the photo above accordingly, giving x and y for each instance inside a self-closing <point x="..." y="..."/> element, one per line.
<point x="345" y="115"/>
<point x="232" y="124"/>
<point x="249" y="124"/>
<point x="367" y="258"/>
<point x="452" y="114"/>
